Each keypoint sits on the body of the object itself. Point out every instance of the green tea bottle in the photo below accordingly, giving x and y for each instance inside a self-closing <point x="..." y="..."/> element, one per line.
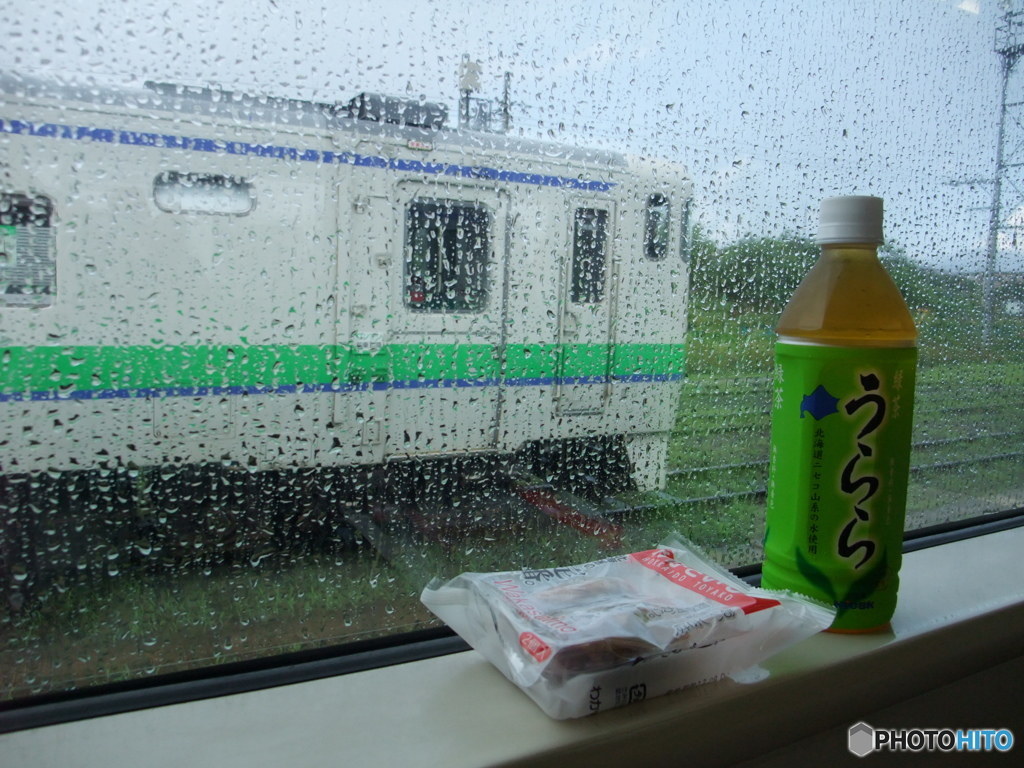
<point x="842" y="411"/>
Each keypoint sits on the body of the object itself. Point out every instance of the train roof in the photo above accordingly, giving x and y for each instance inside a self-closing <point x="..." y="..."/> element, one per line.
<point x="296" y="114"/>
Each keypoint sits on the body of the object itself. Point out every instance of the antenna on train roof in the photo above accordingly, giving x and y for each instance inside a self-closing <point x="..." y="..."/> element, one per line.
<point x="469" y="75"/>
<point x="469" y="83"/>
<point x="477" y="114"/>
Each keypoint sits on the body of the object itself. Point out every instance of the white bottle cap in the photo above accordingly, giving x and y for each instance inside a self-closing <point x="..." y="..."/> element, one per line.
<point x="853" y="219"/>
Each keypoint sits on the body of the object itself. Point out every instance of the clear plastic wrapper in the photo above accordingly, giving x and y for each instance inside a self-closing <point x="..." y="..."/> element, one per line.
<point x="586" y="638"/>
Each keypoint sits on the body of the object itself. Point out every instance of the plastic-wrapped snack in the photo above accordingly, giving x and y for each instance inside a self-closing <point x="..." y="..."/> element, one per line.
<point x="590" y="637"/>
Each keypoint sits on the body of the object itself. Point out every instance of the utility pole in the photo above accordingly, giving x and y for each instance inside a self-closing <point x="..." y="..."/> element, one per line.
<point x="1009" y="157"/>
<point x="506" y="104"/>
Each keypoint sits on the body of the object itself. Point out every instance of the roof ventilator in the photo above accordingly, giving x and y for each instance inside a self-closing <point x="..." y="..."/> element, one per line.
<point x="378" y="108"/>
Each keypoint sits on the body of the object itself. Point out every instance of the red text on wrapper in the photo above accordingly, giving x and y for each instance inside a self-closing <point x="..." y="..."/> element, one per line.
<point x="535" y="646"/>
<point x="661" y="561"/>
<point x="518" y="597"/>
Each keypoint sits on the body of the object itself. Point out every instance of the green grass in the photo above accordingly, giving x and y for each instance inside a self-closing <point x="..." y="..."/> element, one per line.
<point x="144" y="623"/>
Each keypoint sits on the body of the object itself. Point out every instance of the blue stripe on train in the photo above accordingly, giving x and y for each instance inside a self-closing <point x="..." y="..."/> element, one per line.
<point x="281" y="152"/>
<point x="306" y="389"/>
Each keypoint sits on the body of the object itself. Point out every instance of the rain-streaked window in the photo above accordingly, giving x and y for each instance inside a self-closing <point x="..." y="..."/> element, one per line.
<point x="449" y="246"/>
<point x="303" y="305"/>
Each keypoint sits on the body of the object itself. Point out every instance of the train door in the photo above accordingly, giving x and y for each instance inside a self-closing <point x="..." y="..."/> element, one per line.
<point x="365" y="239"/>
<point x="445" y="323"/>
<point x="588" y="296"/>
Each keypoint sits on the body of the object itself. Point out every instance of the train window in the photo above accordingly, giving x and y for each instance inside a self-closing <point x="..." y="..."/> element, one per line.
<point x="246" y="427"/>
<point x="589" y="254"/>
<point x="686" y="236"/>
<point x="28" y="264"/>
<point x="656" y="227"/>
<point x="176" y="192"/>
<point x="448" y="248"/>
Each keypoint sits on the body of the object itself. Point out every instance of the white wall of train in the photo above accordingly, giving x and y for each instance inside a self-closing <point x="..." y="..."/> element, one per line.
<point x="192" y="277"/>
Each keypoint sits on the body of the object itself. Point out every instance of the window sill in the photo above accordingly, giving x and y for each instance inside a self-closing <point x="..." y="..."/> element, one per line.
<point x="961" y="612"/>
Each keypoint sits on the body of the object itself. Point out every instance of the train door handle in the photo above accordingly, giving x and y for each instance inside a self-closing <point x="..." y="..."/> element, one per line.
<point x="570" y="324"/>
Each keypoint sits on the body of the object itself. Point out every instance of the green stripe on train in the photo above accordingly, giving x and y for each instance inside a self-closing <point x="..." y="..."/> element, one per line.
<point x="99" y="368"/>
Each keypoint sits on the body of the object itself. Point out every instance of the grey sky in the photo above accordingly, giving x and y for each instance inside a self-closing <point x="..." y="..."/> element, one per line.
<point x="772" y="105"/>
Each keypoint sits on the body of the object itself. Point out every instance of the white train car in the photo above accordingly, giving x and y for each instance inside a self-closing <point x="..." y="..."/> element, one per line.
<point x="190" y="276"/>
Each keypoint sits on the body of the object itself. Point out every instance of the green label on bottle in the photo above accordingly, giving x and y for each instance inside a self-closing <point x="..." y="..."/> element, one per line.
<point x="837" y="489"/>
